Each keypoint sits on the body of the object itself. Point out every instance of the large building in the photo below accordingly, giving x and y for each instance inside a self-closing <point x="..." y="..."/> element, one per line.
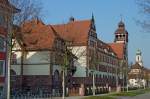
<point x="35" y="57"/>
<point x="6" y="12"/>
<point x="139" y="75"/>
<point x="103" y="60"/>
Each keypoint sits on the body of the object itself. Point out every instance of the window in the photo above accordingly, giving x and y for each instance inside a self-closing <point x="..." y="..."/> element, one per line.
<point x="14" y="58"/>
<point x="92" y="43"/>
<point x="2" y="20"/>
<point x="1" y="67"/>
<point x="58" y="44"/>
<point x="1" y="44"/>
<point x="1" y="90"/>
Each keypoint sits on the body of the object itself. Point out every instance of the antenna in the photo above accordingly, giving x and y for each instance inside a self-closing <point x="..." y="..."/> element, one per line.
<point x="92" y="16"/>
<point x="121" y="17"/>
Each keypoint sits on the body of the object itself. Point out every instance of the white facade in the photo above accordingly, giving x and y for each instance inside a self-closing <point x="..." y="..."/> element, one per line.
<point x="35" y="63"/>
<point x="137" y="82"/>
<point x="81" y="62"/>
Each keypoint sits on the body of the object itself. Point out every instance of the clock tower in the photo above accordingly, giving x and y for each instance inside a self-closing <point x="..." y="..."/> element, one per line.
<point x="121" y="35"/>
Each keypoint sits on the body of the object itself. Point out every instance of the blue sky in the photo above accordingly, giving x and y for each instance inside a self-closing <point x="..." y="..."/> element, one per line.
<point x="107" y="15"/>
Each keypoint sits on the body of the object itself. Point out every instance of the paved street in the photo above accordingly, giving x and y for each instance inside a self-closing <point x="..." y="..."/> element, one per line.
<point x="143" y="96"/>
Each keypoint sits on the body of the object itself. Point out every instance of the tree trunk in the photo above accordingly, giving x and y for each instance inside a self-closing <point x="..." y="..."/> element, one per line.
<point x="21" y="74"/>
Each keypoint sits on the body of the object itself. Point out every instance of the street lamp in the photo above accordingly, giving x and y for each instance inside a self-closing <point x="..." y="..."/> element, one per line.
<point x="93" y="82"/>
<point x="117" y="79"/>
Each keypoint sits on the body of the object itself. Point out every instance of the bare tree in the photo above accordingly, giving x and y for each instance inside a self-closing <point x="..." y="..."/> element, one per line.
<point x="144" y="6"/>
<point x="30" y="9"/>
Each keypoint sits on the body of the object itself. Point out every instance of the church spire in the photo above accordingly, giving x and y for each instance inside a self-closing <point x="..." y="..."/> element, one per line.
<point x="93" y="17"/>
<point x="139" y="57"/>
<point x="93" y="22"/>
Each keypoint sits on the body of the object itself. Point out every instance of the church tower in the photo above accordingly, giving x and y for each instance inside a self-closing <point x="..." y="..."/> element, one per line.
<point x="121" y="35"/>
<point x="121" y="38"/>
<point x="138" y="58"/>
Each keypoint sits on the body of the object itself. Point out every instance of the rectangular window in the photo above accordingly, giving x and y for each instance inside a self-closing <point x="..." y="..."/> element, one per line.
<point x="92" y="43"/>
<point x="1" y="67"/>
<point x="1" y="44"/>
<point x="2" y="20"/>
<point x="14" y="59"/>
<point x="1" y="90"/>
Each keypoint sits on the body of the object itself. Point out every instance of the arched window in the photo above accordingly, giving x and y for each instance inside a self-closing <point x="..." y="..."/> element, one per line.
<point x="56" y="75"/>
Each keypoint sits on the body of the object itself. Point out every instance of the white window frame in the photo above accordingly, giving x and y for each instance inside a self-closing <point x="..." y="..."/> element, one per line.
<point x="3" y="67"/>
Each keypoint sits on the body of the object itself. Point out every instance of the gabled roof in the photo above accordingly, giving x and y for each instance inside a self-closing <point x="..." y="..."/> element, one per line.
<point x="118" y="48"/>
<point x="74" y="31"/>
<point x="36" y="36"/>
<point x="136" y="66"/>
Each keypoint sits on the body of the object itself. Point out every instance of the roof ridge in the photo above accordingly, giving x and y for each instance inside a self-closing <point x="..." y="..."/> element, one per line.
<point x="70" y="22"/>
<point x="54" y="31"/>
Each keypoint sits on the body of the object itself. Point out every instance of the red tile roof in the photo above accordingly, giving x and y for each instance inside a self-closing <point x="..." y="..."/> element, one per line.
<point x="136" y="66"/>
<point x="35" y="35"/>
<point x="103" y="46"/>
<point x="118" y="48"/>
<point x="75" y="31"/>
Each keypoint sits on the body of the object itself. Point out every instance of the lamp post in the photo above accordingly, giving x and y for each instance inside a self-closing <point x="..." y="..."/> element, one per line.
<point x="93" y="82"/>
<point x="117" y="79"/>
<point x="63" y="84"/>
<point x="127" y="78"/>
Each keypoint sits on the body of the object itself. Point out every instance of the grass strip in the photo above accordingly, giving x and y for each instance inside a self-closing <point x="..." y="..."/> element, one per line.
<point x="99" y="97"/>
<point x="132" y="93"/>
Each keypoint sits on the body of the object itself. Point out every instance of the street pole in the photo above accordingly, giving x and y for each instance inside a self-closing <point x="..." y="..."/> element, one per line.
<point x="93" y="84"/>
<point x="127" y="79"/>
<point x="63" y="84"/>
<point x="8" y="64"/>
<point x="8" y="77"/>
<point x="64" y="68"/>
<point x="117" y="79"/>
<point x="9" y="48"/>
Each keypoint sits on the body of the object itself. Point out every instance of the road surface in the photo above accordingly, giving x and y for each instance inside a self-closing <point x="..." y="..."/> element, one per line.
<point x="143" y="96"/>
